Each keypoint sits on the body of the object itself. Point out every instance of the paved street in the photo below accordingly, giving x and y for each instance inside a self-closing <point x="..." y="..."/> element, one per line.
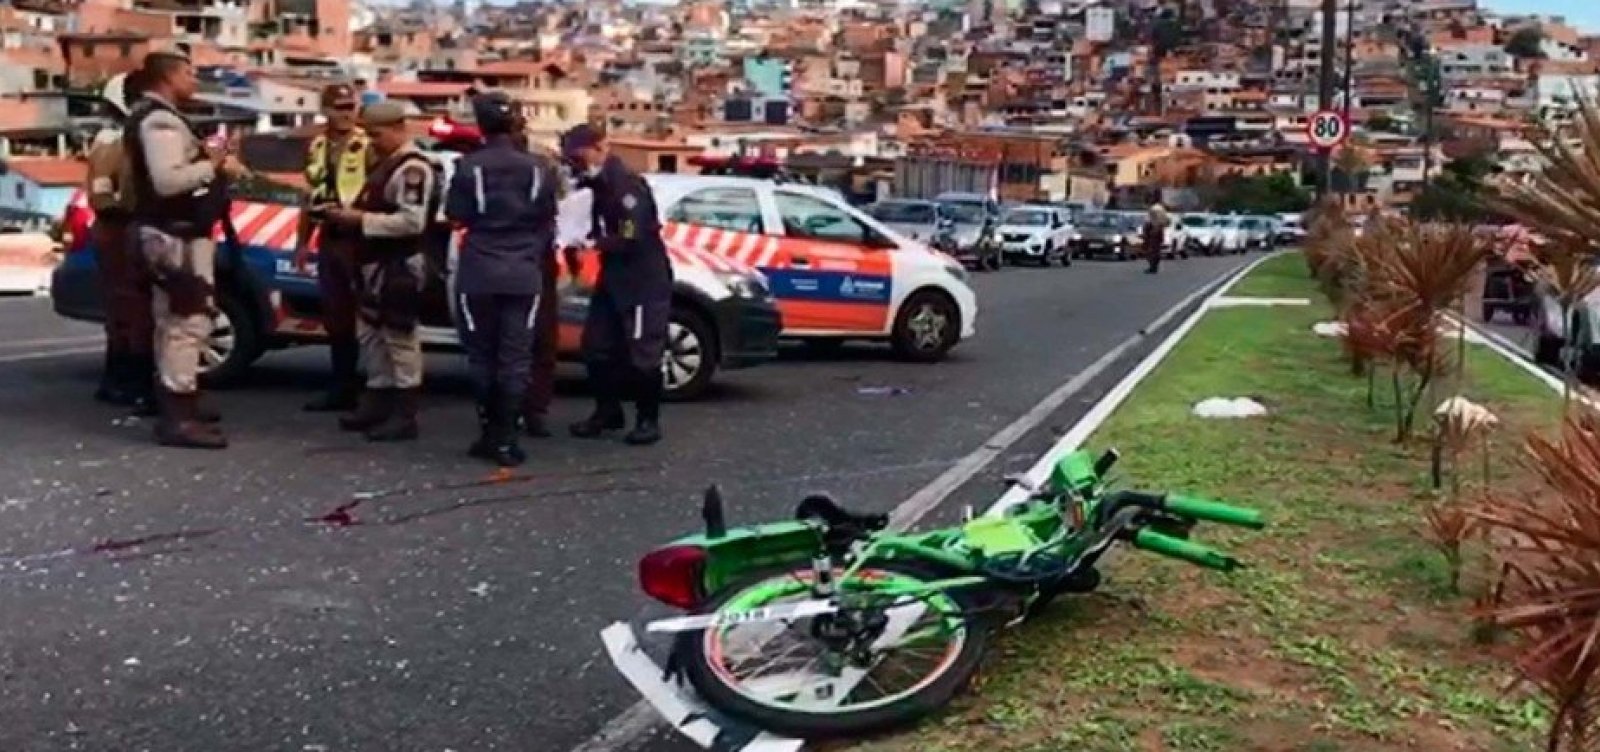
<point x="167" y="600"/>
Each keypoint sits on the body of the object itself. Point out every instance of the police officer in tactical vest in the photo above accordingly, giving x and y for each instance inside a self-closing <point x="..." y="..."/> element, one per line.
<point x="505" y="199"/>
<point x="392" y="214"/>
<point x="626" y="331"/>
<point x="336" y="169"/>
<point x="129" y="376"/>
<point x="174" y="178"/>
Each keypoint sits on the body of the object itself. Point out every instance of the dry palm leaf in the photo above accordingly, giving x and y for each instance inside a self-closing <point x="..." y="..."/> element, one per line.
<point x="1563" y="199"/>
<point x="1550" y="543"/>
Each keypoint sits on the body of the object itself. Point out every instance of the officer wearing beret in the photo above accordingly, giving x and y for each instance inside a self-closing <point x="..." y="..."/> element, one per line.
<point x="336" y="169"/>
<point x="626" y="331"/>
<point x="392" y="215"/>
<point x="505" y="199"/>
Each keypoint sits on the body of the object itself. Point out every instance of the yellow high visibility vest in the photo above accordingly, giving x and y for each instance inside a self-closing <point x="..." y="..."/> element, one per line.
<point x="351" y="169"/>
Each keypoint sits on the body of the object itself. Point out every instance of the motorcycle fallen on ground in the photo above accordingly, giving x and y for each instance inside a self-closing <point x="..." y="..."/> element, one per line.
<point x="830" y="625"/>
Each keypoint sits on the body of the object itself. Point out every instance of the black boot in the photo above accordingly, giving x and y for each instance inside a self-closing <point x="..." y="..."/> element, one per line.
<point x="142" y="385"/>
<point x="373" y="407"/>
<point x="343" y="394"/>
<point x="113" y="379"/>
<point x="647" y="402"/>
<point x="607" y="414"/>
<point x="503" y="431"/>
<point x="483" y="447"/>
<point x="401" y="425"/>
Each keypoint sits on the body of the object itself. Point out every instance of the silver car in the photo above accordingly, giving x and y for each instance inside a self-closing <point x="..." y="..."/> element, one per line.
<point x="913" y="218"/>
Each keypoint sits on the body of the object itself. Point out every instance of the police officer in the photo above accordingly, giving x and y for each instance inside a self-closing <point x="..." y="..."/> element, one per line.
<point x="547" y="316"/>
<point x="506" y="199"/>
<point x="172" y="173"/>
<point x="336" y="168"/>
<point x="392" y="214"/>
<point x="626" y="331"/>
<point x="128" y="378"/>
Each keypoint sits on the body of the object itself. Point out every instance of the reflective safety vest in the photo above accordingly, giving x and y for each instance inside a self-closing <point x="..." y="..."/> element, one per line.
<point x="350" y="170"/>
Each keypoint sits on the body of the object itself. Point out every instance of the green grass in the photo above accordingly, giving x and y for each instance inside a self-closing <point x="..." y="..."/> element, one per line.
<point x="1342" y="636"/>
<point x="1278" y="277"/>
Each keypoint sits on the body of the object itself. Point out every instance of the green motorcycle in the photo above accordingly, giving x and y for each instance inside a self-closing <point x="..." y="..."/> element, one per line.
<point x="831" y="626"/>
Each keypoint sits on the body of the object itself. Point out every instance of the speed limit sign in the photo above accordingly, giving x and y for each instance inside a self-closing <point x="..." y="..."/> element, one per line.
<point x="1327" y="129"/>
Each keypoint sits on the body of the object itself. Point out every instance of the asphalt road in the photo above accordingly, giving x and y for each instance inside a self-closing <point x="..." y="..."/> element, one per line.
<point x="167" y="600"/>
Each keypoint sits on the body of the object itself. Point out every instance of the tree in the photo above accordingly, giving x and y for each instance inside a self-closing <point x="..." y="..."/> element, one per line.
<point x="1458" y="193"/>
<point x="1381" y="121"/>
<point x="1526" y="43"/>
<point x="1262" y="194"/>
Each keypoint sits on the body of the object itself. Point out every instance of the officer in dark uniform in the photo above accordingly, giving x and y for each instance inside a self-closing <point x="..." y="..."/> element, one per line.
<point x="626" y="332"/>
<point x="505" y="199"/>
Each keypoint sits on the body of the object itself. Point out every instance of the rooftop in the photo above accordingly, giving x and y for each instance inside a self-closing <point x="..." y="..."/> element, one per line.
<point x="50" y="172"/>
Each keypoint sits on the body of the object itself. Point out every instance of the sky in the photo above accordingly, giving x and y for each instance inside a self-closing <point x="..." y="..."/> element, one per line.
<point x="1585" y="14"/>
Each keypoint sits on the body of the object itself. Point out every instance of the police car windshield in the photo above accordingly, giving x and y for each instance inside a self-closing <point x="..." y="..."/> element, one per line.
<point x="907" y="213"/>
<point x="1027" y="218"/>
<point x="962" y="212"/>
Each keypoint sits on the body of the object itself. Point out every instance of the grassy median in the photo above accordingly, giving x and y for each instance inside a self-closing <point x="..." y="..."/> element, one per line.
<point x="1343" y="635"/>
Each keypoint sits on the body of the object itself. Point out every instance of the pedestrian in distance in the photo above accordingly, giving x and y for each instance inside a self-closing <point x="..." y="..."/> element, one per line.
<point x="336" y="169"/>
<point x="393" y="215"/>
<point x="172" y="175"/>
<point x="128" y="378"/>
<point x="1155" y="236"/>
<point x="506" y="200"/>
<point x="631" y="305"/>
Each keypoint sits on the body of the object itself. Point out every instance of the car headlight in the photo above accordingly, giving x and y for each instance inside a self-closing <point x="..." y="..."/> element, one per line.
<point x="748" y="285"/>
<point x="1077" y="236"/>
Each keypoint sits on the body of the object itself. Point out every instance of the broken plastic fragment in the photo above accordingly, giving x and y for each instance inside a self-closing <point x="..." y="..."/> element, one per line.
<point x="1223" y="407"/>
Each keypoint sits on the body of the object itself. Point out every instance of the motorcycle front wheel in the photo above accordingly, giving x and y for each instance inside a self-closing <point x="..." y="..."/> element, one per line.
<point x="781" y="676"/>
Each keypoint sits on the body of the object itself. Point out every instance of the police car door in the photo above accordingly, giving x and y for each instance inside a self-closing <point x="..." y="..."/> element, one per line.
<point x="830" y="273"/>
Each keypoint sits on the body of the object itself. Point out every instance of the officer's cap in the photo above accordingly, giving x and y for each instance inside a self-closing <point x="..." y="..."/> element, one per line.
<point x="579" y="137"/>
<point x="338" y="95"/>
<point x="383" y="115"/>
<point x="495" y="111"/>
<point x="179" y="51"/>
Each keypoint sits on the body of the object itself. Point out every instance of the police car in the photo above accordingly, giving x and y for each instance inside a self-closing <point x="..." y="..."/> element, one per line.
<point x="723" y="315"/>
<point x="837" y="273"/>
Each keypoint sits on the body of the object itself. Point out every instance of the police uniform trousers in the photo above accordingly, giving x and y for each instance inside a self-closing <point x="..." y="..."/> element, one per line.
<point x="623" y="341"/>
<point x="183" y="271"/>
<point x="546" y="344"/>
<point x="498" y="332"/>
<point x="125" y="287"/>
<point x="338" y="280"/>
<point x="390" y="354"/>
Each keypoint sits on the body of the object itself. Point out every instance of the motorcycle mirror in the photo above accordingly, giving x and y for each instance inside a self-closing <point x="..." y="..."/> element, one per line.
<point x="1106" y="461"/>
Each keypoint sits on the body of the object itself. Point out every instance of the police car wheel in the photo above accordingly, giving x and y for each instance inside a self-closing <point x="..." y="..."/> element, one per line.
<point x="927" y="326"/>
<point x="234" y="344"/>
<point x="690" y="358"/>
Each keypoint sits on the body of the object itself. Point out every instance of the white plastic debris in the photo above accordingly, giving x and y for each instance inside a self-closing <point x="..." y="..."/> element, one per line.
<point x="1223" y="407"/>
<point x="1467" y="415"/>
<point x="1329" y="328"/>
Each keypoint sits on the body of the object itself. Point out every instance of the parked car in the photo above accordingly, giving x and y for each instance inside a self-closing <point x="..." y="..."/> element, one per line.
<point x="1260" y="233"/>
<point x="1291" y="229"/>
<point x="1551" y="333"/>
<point x="914" y="218"/>
<point x="1228" y="234"/>
<point x="1105" y="233"/>
<point x="969" y="222"/>
<point x="1037" y="234"/>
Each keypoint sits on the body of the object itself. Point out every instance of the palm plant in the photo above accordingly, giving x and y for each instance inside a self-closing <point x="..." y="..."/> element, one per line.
<point x="1549" y="547"/>
<point x="1563" y="199"/>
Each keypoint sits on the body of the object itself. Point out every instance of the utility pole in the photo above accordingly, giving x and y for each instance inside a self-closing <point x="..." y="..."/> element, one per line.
<point x="1330" y="16"/>
<point x="1349" y="89"/>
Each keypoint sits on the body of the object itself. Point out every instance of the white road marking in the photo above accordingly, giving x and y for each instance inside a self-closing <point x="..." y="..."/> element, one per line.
<point x="625" y="730"/>
<point x="20" y="357"/>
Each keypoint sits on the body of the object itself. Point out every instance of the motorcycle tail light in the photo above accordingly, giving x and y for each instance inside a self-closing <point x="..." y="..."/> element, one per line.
<point x="674" y="575"/>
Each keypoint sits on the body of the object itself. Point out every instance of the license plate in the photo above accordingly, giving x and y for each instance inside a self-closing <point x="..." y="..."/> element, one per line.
<point x="766" y="613"/>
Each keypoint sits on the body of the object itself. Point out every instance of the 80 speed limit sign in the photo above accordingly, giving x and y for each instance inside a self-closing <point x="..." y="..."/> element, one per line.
<point x="1327" y="129"/>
